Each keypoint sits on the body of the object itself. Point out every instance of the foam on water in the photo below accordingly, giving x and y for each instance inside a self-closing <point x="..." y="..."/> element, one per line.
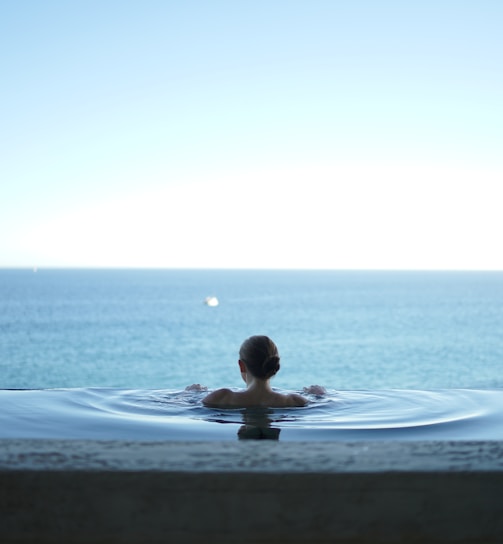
<point x="151" y="415"/>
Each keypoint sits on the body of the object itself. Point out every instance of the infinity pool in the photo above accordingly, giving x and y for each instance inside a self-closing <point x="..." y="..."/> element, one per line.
<point x="152" y="415"/>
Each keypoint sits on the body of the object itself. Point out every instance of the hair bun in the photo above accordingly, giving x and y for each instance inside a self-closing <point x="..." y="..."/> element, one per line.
<point x="260" y="355"/>
<point x="270" y="365"/>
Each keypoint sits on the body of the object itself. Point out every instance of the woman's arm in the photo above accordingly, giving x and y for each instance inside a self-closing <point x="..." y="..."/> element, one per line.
<point x="297" y="400"/>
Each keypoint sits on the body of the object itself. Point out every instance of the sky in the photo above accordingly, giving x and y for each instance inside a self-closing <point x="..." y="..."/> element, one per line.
<point x="332" y="134"/>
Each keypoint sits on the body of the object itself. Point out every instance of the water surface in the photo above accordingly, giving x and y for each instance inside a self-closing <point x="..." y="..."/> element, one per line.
<point x="152" y="415"/>
<point x="341" y="329"/>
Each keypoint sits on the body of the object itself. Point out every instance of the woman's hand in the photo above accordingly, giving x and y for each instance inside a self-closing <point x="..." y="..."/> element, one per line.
<point x="196" y="387"/>
<point x="317" y="390"/>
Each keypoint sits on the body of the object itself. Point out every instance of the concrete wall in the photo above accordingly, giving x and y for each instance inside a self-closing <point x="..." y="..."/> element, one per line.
<point x="251" y="492"/>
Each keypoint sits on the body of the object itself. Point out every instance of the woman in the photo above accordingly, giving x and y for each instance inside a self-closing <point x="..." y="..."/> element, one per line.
<point x="258" y="363"/>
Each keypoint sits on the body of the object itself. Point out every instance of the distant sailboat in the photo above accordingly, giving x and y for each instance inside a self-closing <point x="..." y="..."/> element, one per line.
<point x="211" y="301"/>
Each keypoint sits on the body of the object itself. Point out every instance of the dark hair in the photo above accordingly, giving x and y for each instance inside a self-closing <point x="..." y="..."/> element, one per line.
<point x="261" y="357"/>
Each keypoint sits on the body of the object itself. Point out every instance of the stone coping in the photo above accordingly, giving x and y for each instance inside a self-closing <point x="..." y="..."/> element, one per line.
<point x="250" y="492"/>
<point x="251" y="456"/>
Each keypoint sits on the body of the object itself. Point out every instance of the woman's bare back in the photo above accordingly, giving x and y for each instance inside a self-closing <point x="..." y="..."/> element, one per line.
<point x="225" y="398"/>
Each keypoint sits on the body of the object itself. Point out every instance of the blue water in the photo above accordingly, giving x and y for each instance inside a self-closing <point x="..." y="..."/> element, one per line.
<point x="108" y="353"/>
<point x="151" y="415"/>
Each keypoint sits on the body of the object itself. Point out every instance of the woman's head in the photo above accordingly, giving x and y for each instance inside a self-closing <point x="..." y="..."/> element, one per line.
<point x="261" y="357"/>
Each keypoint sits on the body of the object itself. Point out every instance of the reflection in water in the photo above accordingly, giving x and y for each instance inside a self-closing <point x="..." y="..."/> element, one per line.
<point x="257" y="425"/>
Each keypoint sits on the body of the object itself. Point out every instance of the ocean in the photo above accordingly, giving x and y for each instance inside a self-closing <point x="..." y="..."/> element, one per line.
<point x="343" y="330"/>
<point x="395" y="350"/>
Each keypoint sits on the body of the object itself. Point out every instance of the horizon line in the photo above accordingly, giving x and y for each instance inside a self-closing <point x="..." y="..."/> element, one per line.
<point x="241" y="268"/>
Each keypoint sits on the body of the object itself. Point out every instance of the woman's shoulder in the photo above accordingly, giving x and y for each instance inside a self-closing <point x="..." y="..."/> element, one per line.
<point x="218" y="398"/>
<point x="296" y="400"/>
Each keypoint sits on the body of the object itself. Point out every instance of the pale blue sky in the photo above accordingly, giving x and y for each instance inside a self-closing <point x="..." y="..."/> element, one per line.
<point x="278" y="133"/>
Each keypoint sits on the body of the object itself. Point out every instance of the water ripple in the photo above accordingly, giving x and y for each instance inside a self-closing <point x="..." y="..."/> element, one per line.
<point x="454" y="414"/>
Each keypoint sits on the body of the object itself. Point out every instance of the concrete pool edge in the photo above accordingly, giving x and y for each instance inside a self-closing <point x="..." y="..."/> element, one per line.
<point x="251" y="491"/>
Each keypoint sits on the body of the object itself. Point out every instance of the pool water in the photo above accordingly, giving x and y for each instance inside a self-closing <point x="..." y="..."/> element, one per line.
<point x="158" y="415"/>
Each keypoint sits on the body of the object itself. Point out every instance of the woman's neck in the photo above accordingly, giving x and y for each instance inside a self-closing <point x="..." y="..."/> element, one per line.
<point x="256" y="384"/>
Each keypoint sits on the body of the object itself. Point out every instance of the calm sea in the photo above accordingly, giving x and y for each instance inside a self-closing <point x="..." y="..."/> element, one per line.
<point x="108" y="353"/>
<point x="344" y="330"/>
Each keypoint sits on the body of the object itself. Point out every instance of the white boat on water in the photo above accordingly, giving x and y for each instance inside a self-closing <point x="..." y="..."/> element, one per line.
<point x="211" y="301"/>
